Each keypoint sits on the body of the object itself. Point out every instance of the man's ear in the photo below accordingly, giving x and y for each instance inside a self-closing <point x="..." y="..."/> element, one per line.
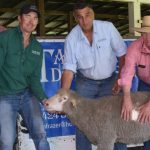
<point x="19" y="18"/>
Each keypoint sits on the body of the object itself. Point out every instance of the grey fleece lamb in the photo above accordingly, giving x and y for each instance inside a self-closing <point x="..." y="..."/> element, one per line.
<point x="100" y="119"/>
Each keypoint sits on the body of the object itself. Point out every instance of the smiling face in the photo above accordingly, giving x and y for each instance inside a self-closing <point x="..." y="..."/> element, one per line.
<point x="84" y="17"/>
<point x="28" y="22"/>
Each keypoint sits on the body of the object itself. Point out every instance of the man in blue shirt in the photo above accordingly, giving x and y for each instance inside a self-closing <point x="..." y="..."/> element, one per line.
<point x="91" y="52"/>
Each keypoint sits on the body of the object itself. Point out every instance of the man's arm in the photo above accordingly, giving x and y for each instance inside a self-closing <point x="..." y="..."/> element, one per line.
<point x="121" y="64"/>
<point x="34" y="79"/>
<point x="3" y="47"/>
<point x="127" y="104"/>
<point x="116" y="88"/>
<point x="66" y="79"/>
<point x="125" y="80"/>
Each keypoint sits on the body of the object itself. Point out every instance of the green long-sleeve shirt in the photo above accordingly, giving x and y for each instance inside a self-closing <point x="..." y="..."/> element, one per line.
<point x="20" y="67"/>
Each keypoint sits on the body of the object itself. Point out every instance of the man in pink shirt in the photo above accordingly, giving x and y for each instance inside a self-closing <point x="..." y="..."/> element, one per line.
<point x="137" y="60"/>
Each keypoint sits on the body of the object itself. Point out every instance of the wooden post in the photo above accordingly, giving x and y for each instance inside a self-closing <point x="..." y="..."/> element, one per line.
<point x="41" y="25"/>
<point x="70" y="21"/>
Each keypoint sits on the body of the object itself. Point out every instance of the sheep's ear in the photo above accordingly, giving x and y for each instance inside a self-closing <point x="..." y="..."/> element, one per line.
<point x="74" y="103"/>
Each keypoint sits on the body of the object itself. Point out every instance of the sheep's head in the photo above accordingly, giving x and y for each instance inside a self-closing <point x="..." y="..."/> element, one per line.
<point x="61" y="98"/>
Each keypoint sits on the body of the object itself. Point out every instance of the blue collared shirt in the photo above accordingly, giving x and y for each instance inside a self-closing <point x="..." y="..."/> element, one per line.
<point x="96" y="61"/>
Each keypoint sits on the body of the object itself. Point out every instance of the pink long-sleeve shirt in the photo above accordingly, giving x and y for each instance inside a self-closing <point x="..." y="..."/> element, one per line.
<point x="137" y="59"/>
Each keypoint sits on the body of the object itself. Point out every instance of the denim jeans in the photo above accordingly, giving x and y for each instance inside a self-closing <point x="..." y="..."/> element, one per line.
<point x="29" y="108"/>
<point x="144" y="87"/>
<point x="93" y="89"/>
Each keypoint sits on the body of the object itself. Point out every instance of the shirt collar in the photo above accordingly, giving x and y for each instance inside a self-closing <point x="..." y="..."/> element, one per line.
<point x="144" y="48"/>
<point x="20" y="32"/>
<point x="81" y="34"/>
<point x="95" y="30"/>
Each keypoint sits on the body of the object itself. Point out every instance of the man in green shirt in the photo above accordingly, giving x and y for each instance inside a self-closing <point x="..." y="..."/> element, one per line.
<point x="20" y="87"/>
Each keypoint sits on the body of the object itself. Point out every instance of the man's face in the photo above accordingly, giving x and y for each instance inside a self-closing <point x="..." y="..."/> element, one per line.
<point x="147" y="40"/>
<point x="28" y="22"/>
<point x="84" y="17"/>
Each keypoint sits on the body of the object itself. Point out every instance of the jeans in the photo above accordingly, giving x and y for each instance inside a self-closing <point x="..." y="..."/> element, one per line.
<point x="93" y="89"/>
<point x="29" y="108"/>
<point x="144" y="87"/>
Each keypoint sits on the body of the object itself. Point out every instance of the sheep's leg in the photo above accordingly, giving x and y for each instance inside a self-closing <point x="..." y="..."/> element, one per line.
<point x="105" y="145"/>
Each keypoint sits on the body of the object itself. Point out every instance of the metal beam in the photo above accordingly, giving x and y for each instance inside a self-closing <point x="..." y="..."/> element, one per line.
<point x="144" y="1"/>
<point x="9" y="10"/>
<point x="140" y="1"/>
<point x="114" y="0"/>
<point x="53" y="12"/>
<point x="111" y="16"/>
<point x="57" y="13"/>
<point x="56" y="27"/>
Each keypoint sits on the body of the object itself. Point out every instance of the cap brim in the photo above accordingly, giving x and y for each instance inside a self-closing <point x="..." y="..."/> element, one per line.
<point x="142" y="29"/>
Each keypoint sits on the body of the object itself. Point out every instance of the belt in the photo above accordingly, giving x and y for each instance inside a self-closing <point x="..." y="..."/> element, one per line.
<point x="80" y="75"/>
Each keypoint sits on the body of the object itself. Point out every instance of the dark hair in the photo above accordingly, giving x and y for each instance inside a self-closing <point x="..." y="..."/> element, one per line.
<point x="81" y="4"/>
<point x="29" y="8"/>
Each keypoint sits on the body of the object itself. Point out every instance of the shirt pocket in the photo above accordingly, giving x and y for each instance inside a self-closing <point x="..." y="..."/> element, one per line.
<point x="142" y="70"/>
<point x="142" y="67"/>
<point x="104" y="48"/>
<point x="85" y="62"/>
<point x="30" y="64"/>
<point x="13" y="59"/>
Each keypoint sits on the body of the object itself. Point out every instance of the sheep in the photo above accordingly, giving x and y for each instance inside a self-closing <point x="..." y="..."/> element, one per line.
<point x="100" y="119"/>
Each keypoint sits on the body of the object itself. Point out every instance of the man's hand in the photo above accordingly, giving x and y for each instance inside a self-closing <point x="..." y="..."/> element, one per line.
<point x="144" y="116"/>
<point x="116" y="88"/>
<point x="127" y="108"/>
<point x="44" y="102"/>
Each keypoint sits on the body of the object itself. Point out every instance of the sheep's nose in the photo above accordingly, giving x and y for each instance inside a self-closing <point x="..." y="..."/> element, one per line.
<point x="47" y="104"/>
